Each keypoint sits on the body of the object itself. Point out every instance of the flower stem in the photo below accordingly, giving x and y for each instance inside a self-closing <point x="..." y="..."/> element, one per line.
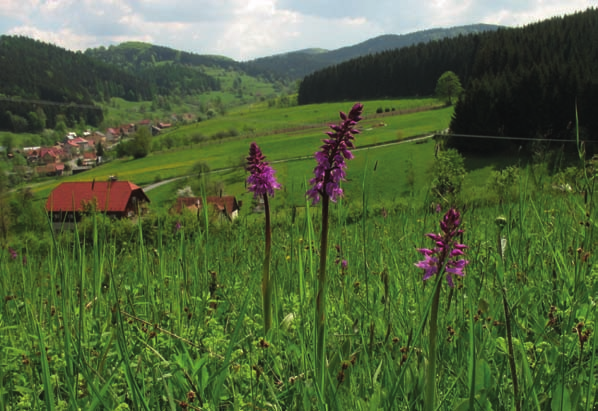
<point x="321" y="301"/>
<point x="430" y="392"/>
<point x="266" y="283"/>
<point x="511" y="351"/>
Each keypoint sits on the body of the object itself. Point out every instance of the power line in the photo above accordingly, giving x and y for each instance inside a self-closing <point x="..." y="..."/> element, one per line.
<point x="552" y="140"/>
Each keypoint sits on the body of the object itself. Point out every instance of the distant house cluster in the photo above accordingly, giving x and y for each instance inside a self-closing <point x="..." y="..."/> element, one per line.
<point x="114" y="134"/>
<point x="75" y="153"/>
<point x="73" y="150"/>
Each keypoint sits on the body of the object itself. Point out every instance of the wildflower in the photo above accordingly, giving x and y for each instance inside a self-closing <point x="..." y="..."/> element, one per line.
<point x="325" y="186"/>
<point x="261" y="182"/>
<point x="13" y="253"/>
<point x="331" y="158"/>
<point x="177" y="226"/>
<point x="447" y="251"/>
<point x="261" y="179"/>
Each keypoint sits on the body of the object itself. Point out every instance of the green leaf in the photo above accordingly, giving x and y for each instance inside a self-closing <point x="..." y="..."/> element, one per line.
<point x="483" y="376"/>
<point x="561" y="399"/>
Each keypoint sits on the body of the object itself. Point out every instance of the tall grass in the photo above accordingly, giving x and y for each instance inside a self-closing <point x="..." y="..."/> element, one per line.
<point x="167" y="320"/>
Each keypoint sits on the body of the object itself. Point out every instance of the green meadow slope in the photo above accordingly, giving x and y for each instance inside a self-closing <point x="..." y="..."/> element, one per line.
<point x="288" y="137"/>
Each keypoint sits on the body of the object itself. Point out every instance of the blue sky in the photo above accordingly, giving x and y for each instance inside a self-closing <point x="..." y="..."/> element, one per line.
<point x="247" y="29"/>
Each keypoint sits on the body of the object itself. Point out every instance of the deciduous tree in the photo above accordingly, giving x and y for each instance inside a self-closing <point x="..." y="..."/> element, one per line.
<point x="448" y="87"/>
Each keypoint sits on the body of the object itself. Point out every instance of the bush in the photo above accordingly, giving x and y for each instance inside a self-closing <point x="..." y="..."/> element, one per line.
<point x="448" y="173"/>
<point x="503" y="183"/>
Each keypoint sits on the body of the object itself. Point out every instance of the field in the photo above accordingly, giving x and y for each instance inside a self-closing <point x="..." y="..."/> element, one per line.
<point x="157" y="319"/>
<point x="283" y="134"/>
<point x="167" y="312"/>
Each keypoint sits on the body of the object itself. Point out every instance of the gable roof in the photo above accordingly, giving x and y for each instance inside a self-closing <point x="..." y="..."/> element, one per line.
<point x="109" y="196"/>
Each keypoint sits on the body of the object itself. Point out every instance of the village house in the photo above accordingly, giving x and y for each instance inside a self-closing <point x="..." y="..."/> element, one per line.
<point x="76" y="146"/>
<point x="112" y="134"/>
<point x="69" y="201"/>
<point x="144" y="123"/>
<point x="50" y="169"/>
<point x="96" y="137"/>
<point x="45" y="155"/>
<point x="225" y="206"/>
<point x="90" y="159"/>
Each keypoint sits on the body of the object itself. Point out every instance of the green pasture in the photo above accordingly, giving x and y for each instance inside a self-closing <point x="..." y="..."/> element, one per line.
<point x="258" y="118"/>
<point x="282" y="146"/>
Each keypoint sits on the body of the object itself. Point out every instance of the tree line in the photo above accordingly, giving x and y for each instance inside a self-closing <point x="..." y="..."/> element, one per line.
<point x="523" y="82"/>
<point x="532" y="82"/>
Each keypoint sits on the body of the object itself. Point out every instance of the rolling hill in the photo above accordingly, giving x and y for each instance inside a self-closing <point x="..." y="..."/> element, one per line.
<point x="297" y="64"/>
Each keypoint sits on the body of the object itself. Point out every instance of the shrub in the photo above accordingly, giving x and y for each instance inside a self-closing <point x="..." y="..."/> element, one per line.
<point x="448" y="174"/>
<point x="503" y="183"/>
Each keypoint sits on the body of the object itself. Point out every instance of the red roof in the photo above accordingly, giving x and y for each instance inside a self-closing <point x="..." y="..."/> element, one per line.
<point x="110" y="196"/>
<point x="89" y="155"/>
<point x="49" y="151"/>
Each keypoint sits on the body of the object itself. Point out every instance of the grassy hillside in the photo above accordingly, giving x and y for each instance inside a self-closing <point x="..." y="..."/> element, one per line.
<point x="284" y="134"/>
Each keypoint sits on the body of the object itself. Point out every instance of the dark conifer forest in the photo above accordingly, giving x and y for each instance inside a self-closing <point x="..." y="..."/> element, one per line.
<point x="523" y="82"/>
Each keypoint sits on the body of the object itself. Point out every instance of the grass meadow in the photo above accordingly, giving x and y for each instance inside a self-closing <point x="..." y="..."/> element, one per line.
<point x="171" y="319"/>
<point x="165" y="313"/>
<point x="284" y="134"/>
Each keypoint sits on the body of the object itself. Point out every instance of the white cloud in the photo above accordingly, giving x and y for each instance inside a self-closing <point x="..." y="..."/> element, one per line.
<point x="65" y="37"/>
<point x="245" y="29"/>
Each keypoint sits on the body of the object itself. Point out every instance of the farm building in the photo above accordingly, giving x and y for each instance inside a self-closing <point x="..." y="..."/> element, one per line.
<point x="227" y="206"/>
<point x="118" y="199"/>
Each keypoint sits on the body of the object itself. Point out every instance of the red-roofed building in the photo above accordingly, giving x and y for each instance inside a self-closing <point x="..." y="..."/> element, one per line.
<point x="76" y="145"/>
<point x="118" y="199"/>
<point x="51" y="169"/>
<point x="112" y="134"/>
<point x="227" y="206"/>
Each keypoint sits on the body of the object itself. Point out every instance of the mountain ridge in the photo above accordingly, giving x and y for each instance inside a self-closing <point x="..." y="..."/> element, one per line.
<point x="302" y="62"/>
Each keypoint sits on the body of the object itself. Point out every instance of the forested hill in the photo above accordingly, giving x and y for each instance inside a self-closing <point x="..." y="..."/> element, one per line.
<point x="298" y="64"/>
<point x="519" y="82"/>
<point x="167" y="70"/>
<point x="38" y="81"/>
<point x="32" y="69"/>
